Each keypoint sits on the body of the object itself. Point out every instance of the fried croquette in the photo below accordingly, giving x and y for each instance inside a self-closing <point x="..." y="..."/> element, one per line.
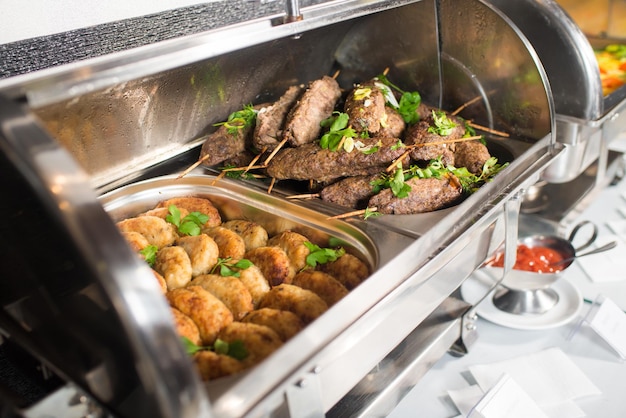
<point x="293" y="244"/>
<point x="287" y="297"/>
<point x="206" y="310"/>
<point x="230" y="244"/>
<point x="260" y="341"/>
<point x="230" y="290"/>
<point x="253" y="234"/>
<point x="274" y="263"/>
<point x="211" y="365"/>
<point x="174" y="265"/>
<point x="186" y="327"/>
<point x="202" y="251"/>
<point x="195" y="204"/>
<point x="285" y="323"/>
<point x="348" y="269"/>
<point x="322" y="284"/>
<point x="157" y="231"/>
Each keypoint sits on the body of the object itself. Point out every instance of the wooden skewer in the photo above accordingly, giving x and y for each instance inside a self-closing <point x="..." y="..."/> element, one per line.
<point x="398" y="161"/>
<point x="194" y="165"/>
<point x="353" y="213"/>
<point x="269" y="189"/>
<point x="491" y="131"/>
<point x="254" y="160"/>
<point x="336" y="74"/>
<point x="464" y="105"/>
<point x="244" y="169"/>
<point x="273" y="153"/>
<point x="304" y="196"/>
<point x="219" y="177"/>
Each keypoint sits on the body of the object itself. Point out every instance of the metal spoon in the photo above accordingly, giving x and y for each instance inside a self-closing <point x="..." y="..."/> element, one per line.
<point x="601" y="249"/>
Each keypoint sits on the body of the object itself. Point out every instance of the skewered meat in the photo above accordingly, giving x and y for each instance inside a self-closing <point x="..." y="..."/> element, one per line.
<point x="322" y="284"/>
<point x="392" y="125"/>
<point x="426" y="195"/>
<point x="202" y="251"/>
<point x="255" y="282"/>
<point x="304" y="303"/>
<point x="316" y="104"/>
<point x="271" y="119"/>
<point x="212" y="365"/>
<point x="174" y="265"/>
<point x="157" y="231"/>
<point x="471" y="155"/>
<point x="224" y="143"/>
<point x="206" y="311"/>
<point x="260" y="341"/>
<point x="195" y="204"/>
<point x="274" y="263"/>
<point x="310" y="161"/>
<point x="348" y="269"/>
<point x="229" y="243"/>
<point x="351" y="192"/>
<point x="365" y="107"/>
<point x="253" y="234"/>
<point x="186" y="327"/>
<point x="227" y="141"/>
<point x="230" y="290"/>
<point x="293" y="244"/>
<point x="419" y="134"/>
<point x="285" y="323"/>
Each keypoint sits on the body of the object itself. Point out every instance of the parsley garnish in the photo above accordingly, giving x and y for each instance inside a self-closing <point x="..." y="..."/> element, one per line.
<point x="240" y="119"/>
<point x="443" y="124"/>
<point x="226" y="266"/>
<point x="190" y="224"/>
<point x="238" y="174"/>
<point x="149" y="254"/>
<point x="338" y="129"/>
<point x="371" y="213"/>
<point x="319" y="255"/>
<point x="409" y="101"/>
<point x="469" y="182"/>
<point x="236" y="349"/>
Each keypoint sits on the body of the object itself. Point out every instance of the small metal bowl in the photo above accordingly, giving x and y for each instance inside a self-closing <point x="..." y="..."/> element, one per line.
<point x="527" y="292"/>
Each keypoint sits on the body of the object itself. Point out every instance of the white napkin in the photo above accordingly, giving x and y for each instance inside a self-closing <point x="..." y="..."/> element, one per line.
<point x="609" y="266"/>
<point x="549" y="377"/>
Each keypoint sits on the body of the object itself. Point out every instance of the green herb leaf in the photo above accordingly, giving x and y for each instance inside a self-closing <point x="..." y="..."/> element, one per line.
<point x="398" y="187"/>
<point x="226" y="266"/>
<point x="319" y="255"/>
<point x="190" y="224"/>
<point x="236" y="349"/>
<point x="240" y="119"/>
<point x="443" y="124"/>
<point x="370" y="213"/>
<point x="409" y="101"/>
<point x="238" y="174"/>
<point x="149" y="254"/>
<point x="338" y="128"/>
<point x="190" y="347"/>
<point x="173" y="216"/>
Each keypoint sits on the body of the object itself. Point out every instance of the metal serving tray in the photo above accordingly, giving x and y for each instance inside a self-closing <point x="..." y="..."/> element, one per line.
<point x="71" y="133"/>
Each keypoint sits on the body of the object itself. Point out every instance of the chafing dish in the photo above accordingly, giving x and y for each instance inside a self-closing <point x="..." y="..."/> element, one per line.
<point x="74" y="133"/>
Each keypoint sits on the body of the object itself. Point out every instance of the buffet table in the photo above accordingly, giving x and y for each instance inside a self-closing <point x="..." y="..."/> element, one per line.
<point x="503" y="338"/>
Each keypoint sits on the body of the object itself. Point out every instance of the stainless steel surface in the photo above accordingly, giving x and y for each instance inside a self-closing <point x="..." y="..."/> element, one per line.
<point x="525" y="302"/>
<point x="65" y="293"/>
<point x="598" y="250"/>
<point x="379" y="392"/>
<point x="120" y="115"/>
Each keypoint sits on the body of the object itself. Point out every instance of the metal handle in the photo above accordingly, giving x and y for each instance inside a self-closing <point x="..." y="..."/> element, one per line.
<point x="590" y="241"/>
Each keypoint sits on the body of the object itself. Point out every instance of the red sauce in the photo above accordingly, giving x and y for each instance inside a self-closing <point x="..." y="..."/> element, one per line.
<point x="535" y="259"/>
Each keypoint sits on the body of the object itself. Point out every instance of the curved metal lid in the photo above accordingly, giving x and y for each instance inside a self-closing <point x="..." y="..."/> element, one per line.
<point x="565" y="53"/>
<point x="71" y="291"/>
